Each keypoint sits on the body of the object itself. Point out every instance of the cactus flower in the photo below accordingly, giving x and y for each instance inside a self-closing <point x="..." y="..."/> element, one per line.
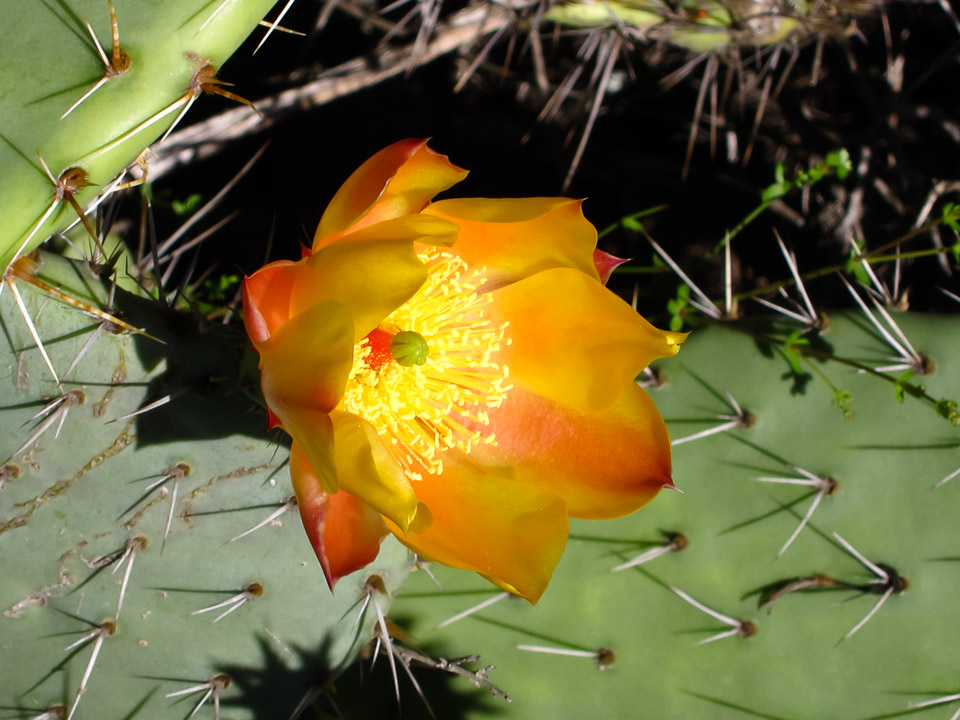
<point x="455" y="373"/>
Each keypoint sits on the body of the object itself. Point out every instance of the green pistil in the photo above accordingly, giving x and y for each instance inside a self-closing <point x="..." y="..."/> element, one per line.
<point x="409" y="348"/>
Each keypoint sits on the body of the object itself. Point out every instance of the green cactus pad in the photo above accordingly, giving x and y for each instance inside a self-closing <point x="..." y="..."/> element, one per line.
<point x="48" y="61"/>
<point x="700" y="25"/>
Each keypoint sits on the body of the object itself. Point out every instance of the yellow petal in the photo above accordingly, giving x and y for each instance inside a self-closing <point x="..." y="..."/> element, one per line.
<point x="517" y="237"/>
<point x="574" y="341"/>
<point x="312" y="432"/>
<point x="304" y="367"/>
<point x="399" y="180"/>
<point x="373" y="273"/>
<point x="370" y="280"/>
<point x="484" y="520"/>
<point x="366" y="470"/>
<point x="422" y="228"/>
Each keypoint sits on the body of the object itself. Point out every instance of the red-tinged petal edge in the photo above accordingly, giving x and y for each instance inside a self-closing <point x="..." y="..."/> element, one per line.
<point x="606" y="264"/>
<point x="272" y="420"/>
<point x="266" y="299"/>
<point x="345" y="533"/>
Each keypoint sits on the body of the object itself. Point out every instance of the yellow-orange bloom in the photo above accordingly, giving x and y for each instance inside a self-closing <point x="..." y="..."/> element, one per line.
<point x="455" y="373"/>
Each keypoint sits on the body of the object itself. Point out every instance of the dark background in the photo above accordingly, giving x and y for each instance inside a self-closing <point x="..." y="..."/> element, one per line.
<point x="635" y="156"/>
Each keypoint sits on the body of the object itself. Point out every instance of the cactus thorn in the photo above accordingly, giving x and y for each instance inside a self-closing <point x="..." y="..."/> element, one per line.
<point x="289" y="504"/>
<point x="675" y="542"/>
<point x="53" y="712"/>
<point x="743" y="628"/>
<point x="476" y="608"/>
<point x="25" y="268"/>
<point x="938" y="701"/>
<point x="873" y="611"/>
<point x="97" y="636"/>
<point x="882" y="575"/>
<point x="31" y="327"/>
<point x="311" y="696"/>
<point x="176" y="471"/>
<point x="804" y="313"/>
<point x="605" y="657"/>
<point x="56" y="412"/>
<point x="221" y="6"/>
<point x="210" y="689"/>
<point x="395" y="652"/>
<point x="148" y="407"/>
<point x="824" y="487"/>
<point x="909" y="358"/>
<point x="886" y="577"/>
<point x="373" y="586"/>
<point x="244" y="595"/>
<point x="651" y="378"/>
<point x="948" y="478"/>
<point x="739" y="418"/>
<point x="114" y="66"/>
<point x="703" y="303"/>
<point x="204" y="80"/>
<point x="152" y="120"/>
<point x="71" y="181"/>
<point x="274" y="25"/>
<point x="134" y="545"/>
<point x="952" y="296"/>
<point x="420" y="564"/>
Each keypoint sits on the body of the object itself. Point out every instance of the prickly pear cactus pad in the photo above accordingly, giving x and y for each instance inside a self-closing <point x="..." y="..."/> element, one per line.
<point x="87" y="107"/>
<point x="704" y="25"/>
<point x="724" y="616"/>
<point x="155" y="562"/>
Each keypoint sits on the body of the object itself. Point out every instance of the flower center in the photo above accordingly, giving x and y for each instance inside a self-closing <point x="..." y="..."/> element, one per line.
<point x="426" y="376"/>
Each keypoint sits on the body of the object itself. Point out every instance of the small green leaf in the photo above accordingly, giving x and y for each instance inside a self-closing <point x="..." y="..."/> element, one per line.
<point x="185" y="207"/>
<point x="794" y="359"/>
<point x="844" y="401"/>
<point x="899" y="387"/>
<point x="951" y="213"/>
<point x="797" y="338"/>
<point x="840" y="162"/>
<point x="948" y="409"/>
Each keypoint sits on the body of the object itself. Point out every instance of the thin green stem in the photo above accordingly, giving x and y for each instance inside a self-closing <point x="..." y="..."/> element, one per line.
<point x="871" y="257"/>
<point x="630" y="222"/>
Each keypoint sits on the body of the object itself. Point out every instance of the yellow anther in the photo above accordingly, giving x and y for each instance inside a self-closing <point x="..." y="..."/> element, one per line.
<point x="422" y="410"/>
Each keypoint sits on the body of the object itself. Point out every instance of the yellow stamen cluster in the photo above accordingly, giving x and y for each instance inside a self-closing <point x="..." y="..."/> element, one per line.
<point x="422" y="410"/>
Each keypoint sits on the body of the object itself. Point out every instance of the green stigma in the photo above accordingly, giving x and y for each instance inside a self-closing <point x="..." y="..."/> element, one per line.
<point x="409" y="348"/>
